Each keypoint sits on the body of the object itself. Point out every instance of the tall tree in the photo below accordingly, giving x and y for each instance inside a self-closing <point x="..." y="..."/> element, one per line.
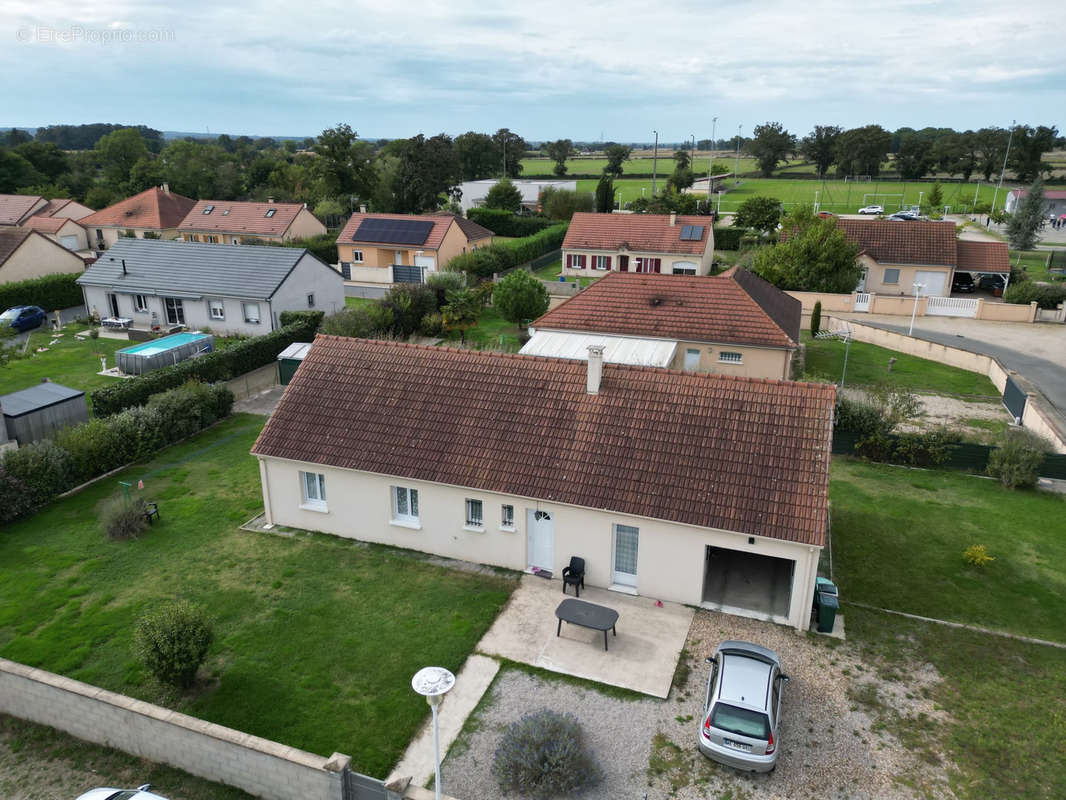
<point x="813" y="256"/>
<point x="426" y="173"/>
<point x="914" y="156"/>
<point x="344" y="164"/>
<point x="512" y="147"/>
<point x="991" y="146"/>
<point x="118" y="151"/>
<point x="682" y="159"/>
<point x="616" y="154"/>
<point x="758" y="213"/>
<point x="520" y="297"/>
<point x="478" y="155"/>
<point x="770" y="144"/>
<point x="860" y="151"/>
<point x="16" y="136"/>
<point x="504" y="195"/>
<point x="1024" y="225"/>
<point x="46" y="158"/>
<point x="819" y="146"/>
<point x="605" y="195"/>
<point x="16" y="172"/>
<point x="558" y="151"/>
<point x="1028" y="148"/>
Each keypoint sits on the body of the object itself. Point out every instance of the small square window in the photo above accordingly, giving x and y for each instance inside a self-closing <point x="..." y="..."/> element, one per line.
<point x="731" y="358"/>
<point x="218" y="310"/>
<point x="601" y="262"/>
<point x="474" y="514"/>
<point x="507" y="517"/>
<point x="314" y="490"/>
<point x="405" y="505"/>
<point x="891" y="276"/>
<point x="310" y="301"/>
<point x="140" y="303"/>
<point x="251" y="313"/>
<point x="357" y="256"/>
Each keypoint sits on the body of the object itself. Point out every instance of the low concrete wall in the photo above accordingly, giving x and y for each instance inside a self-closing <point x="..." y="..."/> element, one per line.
<point x="830" y="302"/>
<point x="382" y="275"/>
<point x="1006" y="312"/>
<point x="904" y="306"/>
<point x="258" y="766"/>
<point x="258" y="380"/>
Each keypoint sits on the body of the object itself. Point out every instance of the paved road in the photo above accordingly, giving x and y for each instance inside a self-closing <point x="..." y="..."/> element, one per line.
<point x="1036" y="351"/>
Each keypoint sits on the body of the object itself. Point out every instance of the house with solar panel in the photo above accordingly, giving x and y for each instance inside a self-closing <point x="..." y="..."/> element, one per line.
<point x="653" y="243"/>
<point x="404" y="248"/>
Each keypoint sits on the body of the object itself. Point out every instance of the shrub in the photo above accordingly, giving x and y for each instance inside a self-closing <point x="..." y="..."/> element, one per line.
<point x="49" y="292"/>
<point x="1017" y="460"/>
<point x="14" y="497"/>
<point x="172" y="642"/>
<point x="409" y="303"/>
<point x="816" y="318"/>
<point x="432" y="324"/>
<point x="859" y="418"/>
<point x="364" y="322"/>
<point x="927" y="449"/>
<point x="504" y="223"/>
<point x="1046" y="295"/>
<point x="486" y="261"/>
<point x="977" y="556"/>
<point x="520" y="297"/>
<point x="43" y="467"/>
<point x="125" y="520"/>
<point x="562" y="204"/>
<point x="543" y="755"/>
<point x="729" y="238"/>
<point x="308" y="319"/>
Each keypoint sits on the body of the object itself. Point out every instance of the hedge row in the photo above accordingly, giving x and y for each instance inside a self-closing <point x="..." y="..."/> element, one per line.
<point x="729" y="238"/>
<point x="486" y="261"/>
<point x="220" y="365"/>
<point x="51" y="292"/>
<point x="1046" y="295"/>
<point x="34" y="474"/>
<point x="504" y="223"/>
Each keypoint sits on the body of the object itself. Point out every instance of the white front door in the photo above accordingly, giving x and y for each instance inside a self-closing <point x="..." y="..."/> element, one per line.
<point x="625" y="555"/>
<point x="540" y="531"/>
<point x="933" y="283"/>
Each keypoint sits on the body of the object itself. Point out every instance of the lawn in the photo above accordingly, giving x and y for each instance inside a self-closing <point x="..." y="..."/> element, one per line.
<point x="898" y="537"/>
<point x="70" y="362"/>
<point x="551" y="272"/>
<point x="868" y="366"/>
<point x="1034" y="263"/>
<point x="357" y="302"/>
<point x="492" y="332"/>
<point x="316" y="637"/>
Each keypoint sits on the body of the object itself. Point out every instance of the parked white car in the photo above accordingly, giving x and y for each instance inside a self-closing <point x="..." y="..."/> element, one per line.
<point x="140" y="793"/>
<point x="872" y="210"/>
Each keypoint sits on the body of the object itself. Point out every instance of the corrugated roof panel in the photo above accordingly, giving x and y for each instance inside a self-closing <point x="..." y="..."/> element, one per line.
<point x="616" y="349"/>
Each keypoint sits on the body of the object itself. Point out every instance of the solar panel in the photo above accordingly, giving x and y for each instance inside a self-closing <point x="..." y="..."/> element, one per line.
<point x="692" y="233"/>
<point x="393" y="231"/>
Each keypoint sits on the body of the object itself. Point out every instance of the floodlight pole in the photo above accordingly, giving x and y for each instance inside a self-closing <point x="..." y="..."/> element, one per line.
<point x="710" y="158"/>
<point x="736" y="162"/>
<point x="654" y="162"/>
<point x="1010" y="138"/>
<point x="914" y="311"/>
<point x="847" y="349"/>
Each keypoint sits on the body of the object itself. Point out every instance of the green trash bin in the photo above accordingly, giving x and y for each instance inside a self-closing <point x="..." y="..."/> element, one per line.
<point x="827" y="605"/>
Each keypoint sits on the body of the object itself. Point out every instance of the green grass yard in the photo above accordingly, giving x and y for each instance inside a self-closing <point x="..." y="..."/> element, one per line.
<point x="71" y="362"/>
<point x="898" y="538"/>
<point x="1034" y="263"/>
<point x="868" y="366"/>
<point x="316" y="637"/>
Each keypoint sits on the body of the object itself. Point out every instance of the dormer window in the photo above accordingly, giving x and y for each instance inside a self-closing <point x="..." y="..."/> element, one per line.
<point x="271" y="212"/>
<point x="208" y="209"/>
<point x="225" y="213"/>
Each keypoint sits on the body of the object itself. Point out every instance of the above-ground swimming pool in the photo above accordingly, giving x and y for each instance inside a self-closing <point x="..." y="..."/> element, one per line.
<point x="146" y="356"/>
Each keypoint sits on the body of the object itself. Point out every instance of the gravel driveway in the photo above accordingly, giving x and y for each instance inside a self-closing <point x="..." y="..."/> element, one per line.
<point x="835" y="739"/>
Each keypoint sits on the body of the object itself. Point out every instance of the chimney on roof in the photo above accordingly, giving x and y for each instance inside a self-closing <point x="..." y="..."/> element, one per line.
<point x="595" y="371"/>
<point x="124" y="267"/>
<point x="362" y="209"/>
<point x="270" y="199"/>
<point x="673" y="218"/>
<point x="166" y="188"/>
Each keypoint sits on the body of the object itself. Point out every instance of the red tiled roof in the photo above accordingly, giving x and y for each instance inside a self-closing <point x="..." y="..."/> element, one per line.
<point x="441" y="223"/>
<point x="249" y="218"/>
<point x="906" y="242"/>
<point x="641" y="233"/>
<point x="739" y="454"/>
<point x="153" y="208"/>
<point x="13" y="207"/>
<point x="1049" y="194"/>
<point x="983" y="256"/>
<point x="734" y="307"/>
<point x="47" y="224"/>
<point x="473" y="230"/>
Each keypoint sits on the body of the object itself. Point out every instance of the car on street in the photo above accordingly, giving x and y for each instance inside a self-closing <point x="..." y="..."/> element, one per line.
<point x="826" y="214"/>
<point x="742" y="707"/>
<point x="905" y="216"/>
<point x="963" y="282"/>
<point x="23" y="318"/>
<point x="140" y="793"/>
<point x="872" y="210"/>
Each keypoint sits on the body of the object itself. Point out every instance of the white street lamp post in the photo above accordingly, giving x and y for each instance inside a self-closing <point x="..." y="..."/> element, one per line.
<point x="433" y="683"/>
<point x="736" y="163"/>
<point x="914" y="311"/>
<point x="1010" y="138"/>
<point x="710" y="158"/>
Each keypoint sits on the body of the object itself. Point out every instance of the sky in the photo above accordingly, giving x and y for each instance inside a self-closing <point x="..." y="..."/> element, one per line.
<point x="549" y="69"/>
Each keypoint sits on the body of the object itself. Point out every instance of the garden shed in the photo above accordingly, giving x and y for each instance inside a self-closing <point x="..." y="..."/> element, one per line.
<point x="290" y="358"/>
<point x="37" y="412"/>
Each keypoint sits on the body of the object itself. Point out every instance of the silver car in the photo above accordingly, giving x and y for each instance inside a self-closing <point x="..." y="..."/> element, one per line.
<point x="140" y="793"/>
<point x="742" y="707"/>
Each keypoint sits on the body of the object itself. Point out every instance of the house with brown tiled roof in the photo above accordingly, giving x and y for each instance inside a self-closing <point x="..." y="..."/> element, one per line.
<point x="229" y="222"/>
<point x="156" y="212"/>
<point x="26" y="253"/>
<point x="62" y="230"/>
<point x="387" y="248"/>
<point x="17" y="208"/>
<point x="654" y="243"/>
<point x="731" y="324"/>
<point x="64" y="207"/>
<point x="702" y="489"/>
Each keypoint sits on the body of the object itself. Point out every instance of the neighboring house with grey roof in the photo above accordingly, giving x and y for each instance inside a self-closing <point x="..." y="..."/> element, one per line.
<point x="230" y="290"/>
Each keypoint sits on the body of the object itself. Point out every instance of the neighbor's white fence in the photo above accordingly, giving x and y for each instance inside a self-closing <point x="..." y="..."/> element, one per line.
<point x="951" y="307"/>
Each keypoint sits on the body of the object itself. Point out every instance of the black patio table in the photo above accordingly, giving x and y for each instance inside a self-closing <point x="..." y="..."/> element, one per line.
<point x="587" y="615"/>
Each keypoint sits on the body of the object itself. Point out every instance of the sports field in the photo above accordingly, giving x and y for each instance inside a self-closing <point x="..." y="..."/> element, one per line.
<point x="542" y="167"/>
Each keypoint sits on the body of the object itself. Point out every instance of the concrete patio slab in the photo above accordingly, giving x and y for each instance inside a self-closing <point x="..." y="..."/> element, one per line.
<point x="642" y="656"/>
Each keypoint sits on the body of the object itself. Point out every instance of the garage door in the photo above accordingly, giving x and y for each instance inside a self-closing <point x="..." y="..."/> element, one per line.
<point x="934" y="284"/>
<point x="685" y="267"/>
<point x="69" y="242"/>
<point x="426" y="262"/>
<point x="748" y="584"/>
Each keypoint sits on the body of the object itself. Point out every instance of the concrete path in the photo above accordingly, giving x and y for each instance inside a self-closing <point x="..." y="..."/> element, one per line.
<point x="262" y="403"/>
<point x="1037" y="351"/>
<point x="642" y="657"/>
<point x="471" y="683"/>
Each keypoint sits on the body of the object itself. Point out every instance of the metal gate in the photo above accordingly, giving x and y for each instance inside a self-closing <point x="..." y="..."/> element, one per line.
<point x="402" y="273"/>
<point x="362" y="787"/>
<point x="1014" y="399"/>
<point x="346" y="270"/>
<point x="951" y="307"/>
<point x="862" y="301"/>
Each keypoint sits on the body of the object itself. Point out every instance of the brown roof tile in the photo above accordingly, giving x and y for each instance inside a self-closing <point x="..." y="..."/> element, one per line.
<point x="153" y="208"/>
<point x="52" y="206"/>
<point x="983" y="256"/>
<point x="11" y="239"/>
<point x="13" y="207"/>
<point x="47" y="224"/>
<point x="441" y="223"/>
<point x="473" y="230"/>
<point x="641" y="233"/>
<point x="247" y="218"/>
<point x="910" y="242"/>
<point x="737" y="454"/>
<point x="734" y="307"/>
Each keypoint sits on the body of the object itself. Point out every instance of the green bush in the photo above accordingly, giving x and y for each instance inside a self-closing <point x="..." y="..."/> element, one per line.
<point x="816" y="318"/>
<point x="520" y="297"/>
<point x="219" y="365"/>
<point x="15" y="497"/>
<point x="862" y="419"/>
<point x="506" y="223"/>
<point x="1026" y="291"/>
<point x="544" y="755"/>
<point x="1017" y="460"/>
<point x="363" y="322"/>
<point x="50" y="292"/>
<point x="125" y="520"/>
<point x="976" y="555"/>
<point x="926" y="449"/>
<point x="308" y="319"/>
<point x="409" y="303"/>
<point x="172" y="642"/>
<point x="432" y="324"/>
<point x="43" y="467"/>
<point x="487" y="261"/>
<point x="730" y="238"/>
